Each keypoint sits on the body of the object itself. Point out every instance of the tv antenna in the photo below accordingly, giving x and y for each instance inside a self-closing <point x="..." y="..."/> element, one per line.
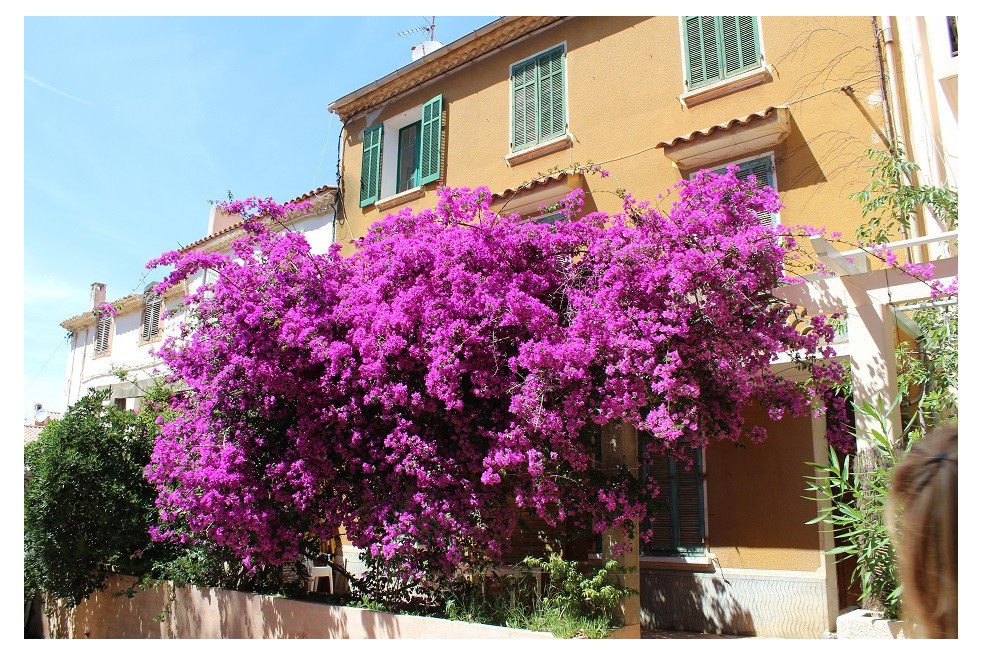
<point x="429" y="28"/>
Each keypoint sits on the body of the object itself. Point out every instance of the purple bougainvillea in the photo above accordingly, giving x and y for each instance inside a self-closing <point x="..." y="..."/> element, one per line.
<point x="414" y="394"/>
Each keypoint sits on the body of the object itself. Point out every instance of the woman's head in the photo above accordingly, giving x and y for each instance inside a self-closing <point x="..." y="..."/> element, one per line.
<point x="925" y="510"/>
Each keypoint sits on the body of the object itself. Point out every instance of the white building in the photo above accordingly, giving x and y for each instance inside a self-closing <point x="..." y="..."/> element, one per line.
<point x="116" y="353"/>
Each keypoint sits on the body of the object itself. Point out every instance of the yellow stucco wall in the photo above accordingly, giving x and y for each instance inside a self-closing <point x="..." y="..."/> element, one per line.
<point x="624" y="76"/>
<point x="756" y="515"/>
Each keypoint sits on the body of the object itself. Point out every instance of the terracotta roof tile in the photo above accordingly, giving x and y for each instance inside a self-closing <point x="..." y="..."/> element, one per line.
<point x="743" y="120"/>
<point x="555" y="177"/>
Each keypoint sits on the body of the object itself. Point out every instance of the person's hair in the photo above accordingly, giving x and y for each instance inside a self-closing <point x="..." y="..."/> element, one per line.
<point x="925" y="524"/>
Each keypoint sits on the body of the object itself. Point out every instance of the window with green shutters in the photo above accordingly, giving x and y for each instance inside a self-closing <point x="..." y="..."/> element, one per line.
<point x="538" y="99"/>
<point x="411" y="156"/>
<point x="762" y="168"/>
<point x="371" y="165"/>
<point x="677" y="515"/>
<point x="719" y="47"/>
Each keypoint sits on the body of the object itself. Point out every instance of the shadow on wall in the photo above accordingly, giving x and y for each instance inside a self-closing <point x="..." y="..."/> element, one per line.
<point x="693" y="603"/>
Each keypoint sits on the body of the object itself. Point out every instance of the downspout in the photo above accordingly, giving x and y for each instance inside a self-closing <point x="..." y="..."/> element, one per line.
<point x="887" y="113"/>
<point x="891" y="107"/>
<point x="890" y="46"/>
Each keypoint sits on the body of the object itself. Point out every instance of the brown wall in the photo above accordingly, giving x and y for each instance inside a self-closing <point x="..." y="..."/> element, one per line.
<point x="624" y="76"/>
<point x="755" y="511"/>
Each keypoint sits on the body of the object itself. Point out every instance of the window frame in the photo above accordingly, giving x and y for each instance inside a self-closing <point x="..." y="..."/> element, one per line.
<point x="723" y="80"/>
<point x="539" y="140"/>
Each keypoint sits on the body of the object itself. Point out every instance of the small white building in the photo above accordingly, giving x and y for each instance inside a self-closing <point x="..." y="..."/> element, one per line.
<point x="118" y="352"/>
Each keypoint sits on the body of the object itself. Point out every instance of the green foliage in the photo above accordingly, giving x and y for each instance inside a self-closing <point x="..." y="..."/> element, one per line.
<point x="890" y="201"/>
<point x="87" y="506"/>
<point x="569" y="604"/>
<point x="856" y="489"/>
<point x="855" y="496"/>
<point x="88" y="509"/>
<point x="927" y="372"/>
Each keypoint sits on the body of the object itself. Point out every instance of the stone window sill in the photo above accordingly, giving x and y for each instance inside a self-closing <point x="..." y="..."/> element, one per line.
<point x="727" y="86"/>
<point x="540" y="149"/>
<point x="399" y="198"/>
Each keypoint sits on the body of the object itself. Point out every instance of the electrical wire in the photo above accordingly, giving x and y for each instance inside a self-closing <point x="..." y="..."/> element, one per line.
<point x="38" y="374"/>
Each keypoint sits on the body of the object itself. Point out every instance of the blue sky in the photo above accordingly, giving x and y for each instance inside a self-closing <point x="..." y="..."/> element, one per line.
<point x="131" y="125"/>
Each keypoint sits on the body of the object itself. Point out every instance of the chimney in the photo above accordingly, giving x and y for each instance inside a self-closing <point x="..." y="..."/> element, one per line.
<point x="98" y="294"/>
<point x="218" y="220"/>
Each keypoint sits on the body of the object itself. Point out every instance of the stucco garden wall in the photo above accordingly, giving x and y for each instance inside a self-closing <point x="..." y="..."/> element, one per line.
<point x="205" y="613"/>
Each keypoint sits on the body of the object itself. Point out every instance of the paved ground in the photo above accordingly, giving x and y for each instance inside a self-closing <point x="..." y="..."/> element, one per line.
<point x="670" y="634"/>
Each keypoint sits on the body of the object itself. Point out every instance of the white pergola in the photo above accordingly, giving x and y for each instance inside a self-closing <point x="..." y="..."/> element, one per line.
<point x="872" y="301"/>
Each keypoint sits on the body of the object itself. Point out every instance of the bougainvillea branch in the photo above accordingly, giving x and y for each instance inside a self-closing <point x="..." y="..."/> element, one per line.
<point x="455" y="367"/>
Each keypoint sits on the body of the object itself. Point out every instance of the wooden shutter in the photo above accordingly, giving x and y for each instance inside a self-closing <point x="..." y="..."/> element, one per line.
<point x="431" y="140"/>
<point x="151" y="316"/>
<point x="102" y="328"/>
<point x="702" y="58"/>
<point x="676" y="517"/>
<point x="552" y="94"/>
<point x="371" y="164"/>
<point x="741" y="49"/>
<point x="660" y="508"/>
<point x="524" y="114"/>
<point x="689" y="505"/>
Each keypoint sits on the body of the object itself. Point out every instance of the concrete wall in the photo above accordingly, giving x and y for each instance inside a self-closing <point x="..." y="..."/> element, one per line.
<point x="206" y="613"/>
<point x="624" y="78"/>
<point x="738" y="602"/>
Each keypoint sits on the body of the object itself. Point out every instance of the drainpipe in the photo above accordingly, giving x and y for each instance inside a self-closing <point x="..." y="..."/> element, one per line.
<point x="891" y="108"/>
<point x="887" y="114"/>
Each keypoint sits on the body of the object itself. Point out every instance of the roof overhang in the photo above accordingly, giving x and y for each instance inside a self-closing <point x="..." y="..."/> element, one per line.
<point x="465" y="49"/>
<point x="729" y="140"/>
<point x="124" y="305"/>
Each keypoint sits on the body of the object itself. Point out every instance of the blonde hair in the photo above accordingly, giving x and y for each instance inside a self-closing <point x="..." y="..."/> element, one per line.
<point x="924" y="505"/>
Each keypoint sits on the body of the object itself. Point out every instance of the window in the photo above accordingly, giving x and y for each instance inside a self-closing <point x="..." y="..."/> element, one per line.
<point x="953" y="34"/>
<point x="151" y="316"/>
<point x="103" y="329"/>
<point x="538" y="99"/>
<point x="408" y="168"/>
<point x="402" y="153"/>
<point x="677" y="515"/>
<point x="763" y="169"/>
<point x="719" y="47"/>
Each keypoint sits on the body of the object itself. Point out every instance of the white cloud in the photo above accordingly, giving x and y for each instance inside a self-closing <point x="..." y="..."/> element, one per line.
<point x="37" y="82"/>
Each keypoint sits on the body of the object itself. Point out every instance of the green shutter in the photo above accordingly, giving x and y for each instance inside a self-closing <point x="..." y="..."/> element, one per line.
<point x="431" y="140"/>
<point x="552" y="94"/>
<point x="702" y="58"/>
<point x="524" y="115"/>
<point x="689" y="524"/>
<point x="741" y="49"/>
<point x="676" y="517"/>
<point x="371" y="164"/>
